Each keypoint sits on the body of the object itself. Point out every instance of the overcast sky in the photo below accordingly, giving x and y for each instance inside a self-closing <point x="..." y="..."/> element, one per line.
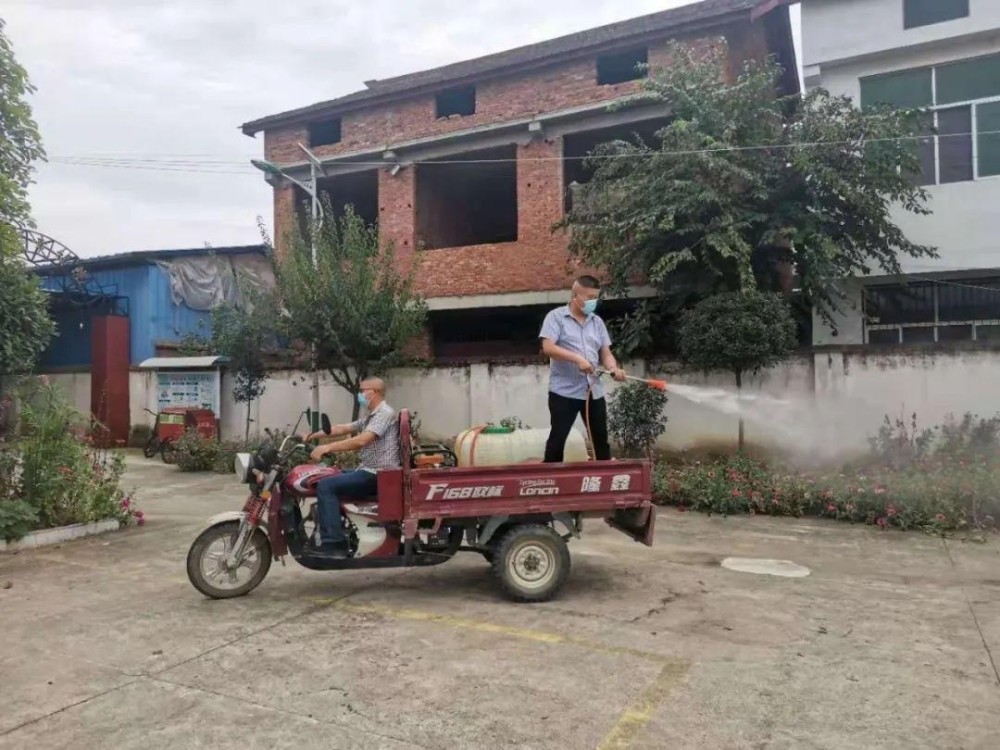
<point x="124" y="84"/>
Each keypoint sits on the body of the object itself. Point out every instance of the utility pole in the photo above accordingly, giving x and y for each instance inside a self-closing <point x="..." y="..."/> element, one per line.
<point x="312" y="190"/>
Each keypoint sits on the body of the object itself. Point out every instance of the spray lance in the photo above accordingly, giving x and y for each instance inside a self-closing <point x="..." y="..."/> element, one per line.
<point x="660" y="385"/>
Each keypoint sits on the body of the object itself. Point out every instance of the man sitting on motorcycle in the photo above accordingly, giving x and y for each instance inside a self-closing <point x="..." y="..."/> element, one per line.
<point x="376" y="437"/>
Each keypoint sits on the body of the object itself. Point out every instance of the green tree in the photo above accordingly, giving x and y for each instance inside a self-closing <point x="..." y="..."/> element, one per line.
<point x="742" y="184"/>
<point x="20" y="144"/>
<point x="355" y="305"/>
<point x="25" y="326"/>
<point x="740" y="332"/>
<point x="243" y="334"/>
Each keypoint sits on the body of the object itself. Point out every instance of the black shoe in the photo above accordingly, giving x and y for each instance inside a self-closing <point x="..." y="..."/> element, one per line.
<point x="332" y="551"/>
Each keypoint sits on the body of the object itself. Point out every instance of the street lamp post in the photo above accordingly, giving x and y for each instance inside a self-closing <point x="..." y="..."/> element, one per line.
<point x="312" y="190"/>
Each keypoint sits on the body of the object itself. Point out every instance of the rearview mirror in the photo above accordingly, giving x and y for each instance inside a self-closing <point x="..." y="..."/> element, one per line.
<point x="325" y="422"/>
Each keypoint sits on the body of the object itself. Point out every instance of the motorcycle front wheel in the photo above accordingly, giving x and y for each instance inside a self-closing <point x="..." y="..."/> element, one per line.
<point x="206" y="566"/>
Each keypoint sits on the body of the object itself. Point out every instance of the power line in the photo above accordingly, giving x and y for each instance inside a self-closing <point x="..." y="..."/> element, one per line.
<point x="154" y="167"/>
<point x="858" y="143"/>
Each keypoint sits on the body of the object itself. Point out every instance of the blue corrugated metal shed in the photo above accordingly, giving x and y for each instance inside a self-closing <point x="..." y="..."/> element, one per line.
<point x="135" y="277"/>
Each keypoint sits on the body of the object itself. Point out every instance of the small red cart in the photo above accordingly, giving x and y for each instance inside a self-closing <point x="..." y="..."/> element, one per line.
<point x="172" y="422"/>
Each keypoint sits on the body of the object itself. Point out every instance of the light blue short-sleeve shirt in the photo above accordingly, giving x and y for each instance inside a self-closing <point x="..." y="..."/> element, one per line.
<point x="586" y="339"/>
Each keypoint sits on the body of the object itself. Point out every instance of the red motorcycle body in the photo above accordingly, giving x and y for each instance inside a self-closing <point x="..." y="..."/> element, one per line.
<point x="302" y="480"/>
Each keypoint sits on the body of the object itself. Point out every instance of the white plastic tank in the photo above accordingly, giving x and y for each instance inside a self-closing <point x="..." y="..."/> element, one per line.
<point x="499" y="446"/>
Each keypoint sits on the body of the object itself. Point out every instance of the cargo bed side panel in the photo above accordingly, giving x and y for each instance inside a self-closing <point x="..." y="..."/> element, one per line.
<point x="529" y="488"/>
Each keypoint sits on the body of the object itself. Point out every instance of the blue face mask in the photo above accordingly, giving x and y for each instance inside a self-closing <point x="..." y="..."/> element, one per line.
<point x="362" y="401"/>
<point x="590" y="306"/>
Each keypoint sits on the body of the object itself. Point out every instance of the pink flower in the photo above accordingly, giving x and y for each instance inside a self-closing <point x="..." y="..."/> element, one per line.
<point x="126" y="502"/>
<point x="831" y="508"/>
<point x="881" y="521"/>
<point x="737" y="493"/>
<point x="939" y="518"/>
<point x="140" y="518"/>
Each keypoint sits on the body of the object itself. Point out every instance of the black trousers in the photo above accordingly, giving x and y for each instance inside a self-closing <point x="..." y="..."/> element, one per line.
<point x="564" y="412"/>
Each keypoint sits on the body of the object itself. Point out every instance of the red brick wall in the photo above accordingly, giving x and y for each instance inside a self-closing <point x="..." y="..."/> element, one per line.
<point x="558" y="87"/>
<point x="397" y="210"/>
<point x="538" y="261"/>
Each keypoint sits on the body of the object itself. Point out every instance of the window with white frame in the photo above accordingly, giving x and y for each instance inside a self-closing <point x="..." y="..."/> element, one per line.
<point x="928" y="312"/>
<point x="963" y="103"/>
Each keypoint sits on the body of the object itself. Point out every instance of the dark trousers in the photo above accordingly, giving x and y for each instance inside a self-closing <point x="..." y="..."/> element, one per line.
<point x="354" y="485"/>
<point x="563" y="412"/>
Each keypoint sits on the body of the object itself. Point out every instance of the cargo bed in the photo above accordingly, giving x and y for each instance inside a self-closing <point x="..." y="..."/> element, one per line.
<point x="618" y="491"/>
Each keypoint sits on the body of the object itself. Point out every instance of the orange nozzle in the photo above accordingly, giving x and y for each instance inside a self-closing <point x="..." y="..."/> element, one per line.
<point x="660" y="385"/>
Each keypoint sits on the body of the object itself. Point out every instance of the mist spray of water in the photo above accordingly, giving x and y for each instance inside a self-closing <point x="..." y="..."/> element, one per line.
<point x="802" y="429"/>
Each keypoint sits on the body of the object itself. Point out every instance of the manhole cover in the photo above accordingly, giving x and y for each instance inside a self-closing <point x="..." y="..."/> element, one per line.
<point x="783" y="568"/>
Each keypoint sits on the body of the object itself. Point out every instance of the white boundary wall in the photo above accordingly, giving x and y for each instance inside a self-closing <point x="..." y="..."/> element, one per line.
<point x="824" y="403"/>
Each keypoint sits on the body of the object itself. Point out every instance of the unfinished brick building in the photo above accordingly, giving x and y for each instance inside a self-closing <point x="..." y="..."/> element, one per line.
<point x="467" y="167"/>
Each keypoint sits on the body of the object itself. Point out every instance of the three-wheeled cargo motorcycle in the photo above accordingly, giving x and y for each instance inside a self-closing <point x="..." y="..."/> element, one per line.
<point x="518" y="517"/>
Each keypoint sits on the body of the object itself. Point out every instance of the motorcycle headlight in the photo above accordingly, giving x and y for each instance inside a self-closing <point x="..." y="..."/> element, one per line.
<point x="242" y="466"/>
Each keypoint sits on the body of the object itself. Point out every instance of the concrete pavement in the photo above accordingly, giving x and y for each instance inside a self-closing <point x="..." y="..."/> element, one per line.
<point x="884" y="644"/>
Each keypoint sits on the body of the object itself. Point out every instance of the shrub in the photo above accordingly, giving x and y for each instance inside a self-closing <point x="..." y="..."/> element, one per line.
<point x="727" y="486"/>
<point x="227" y="450"/>
<point x="17" y="518"/>
<point x="899" y="444"/>
<point x="970" y="437"/>
<point x="935" y="496"/>
<point x="193" y="452"/>
<point x="636" y="418"/>
<point x="932" y="498"/>
<point x="53" y="466"/>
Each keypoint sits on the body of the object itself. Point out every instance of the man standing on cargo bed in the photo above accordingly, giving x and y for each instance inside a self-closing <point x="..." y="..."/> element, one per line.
<point x="576" y="341"/>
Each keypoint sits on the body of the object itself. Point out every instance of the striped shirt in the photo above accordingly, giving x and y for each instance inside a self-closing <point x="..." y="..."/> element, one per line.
<point x="383" y="452"/>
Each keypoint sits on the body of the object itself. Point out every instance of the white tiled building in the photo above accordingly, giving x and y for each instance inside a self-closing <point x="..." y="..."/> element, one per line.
<point x="943" y="55"/>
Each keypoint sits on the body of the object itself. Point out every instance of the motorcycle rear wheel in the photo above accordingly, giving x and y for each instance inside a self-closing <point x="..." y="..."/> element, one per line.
<point x="168" y="452"/>
<point x="152" y="447"/>
<point x="209" y="576"/>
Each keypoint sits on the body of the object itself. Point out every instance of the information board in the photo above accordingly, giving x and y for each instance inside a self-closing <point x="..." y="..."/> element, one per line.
<point x="199" y="390"/>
